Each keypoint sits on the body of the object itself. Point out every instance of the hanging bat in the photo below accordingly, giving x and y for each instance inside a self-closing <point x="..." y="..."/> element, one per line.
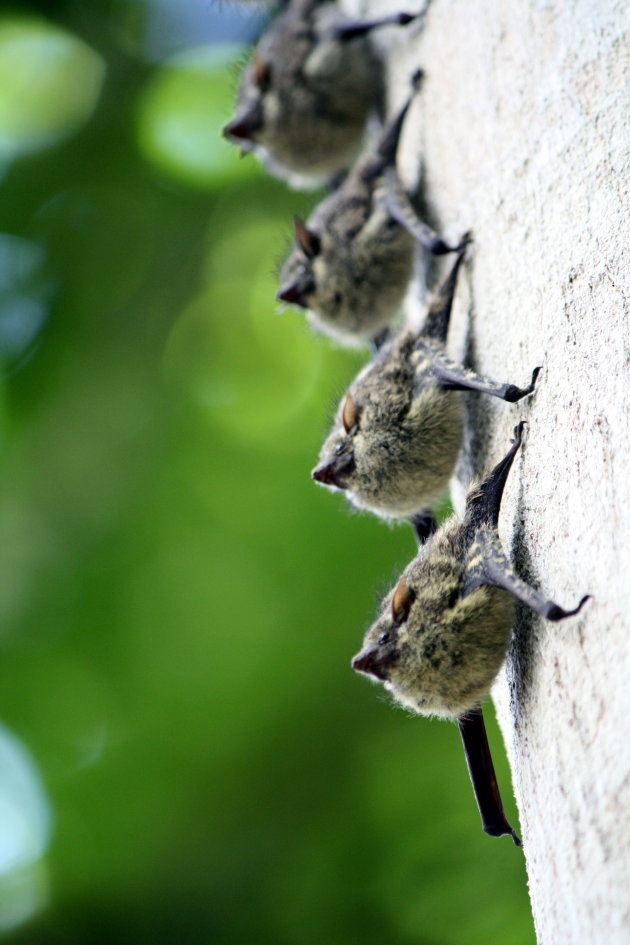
<point x="443" y="630"/>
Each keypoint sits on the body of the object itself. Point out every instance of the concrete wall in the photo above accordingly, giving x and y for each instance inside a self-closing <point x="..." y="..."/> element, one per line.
<point x="523" y="129"/>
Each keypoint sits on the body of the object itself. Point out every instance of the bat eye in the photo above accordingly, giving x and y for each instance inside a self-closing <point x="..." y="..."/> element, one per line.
<point x="402" y="600"/>
<point x="350" y="414"/>
<point x="262" y="72"/>
<point x="383" y="638"/>
<point x="308" y="241"/>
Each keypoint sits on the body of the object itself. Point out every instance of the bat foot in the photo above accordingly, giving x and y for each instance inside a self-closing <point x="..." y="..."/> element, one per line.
<point x="465" y="241"/>
<point x="417" y="78"/>
<point x="437" y="247"/>
<point x="514" y="393"/>
<point x="555" y="612"/>
<point x="502" y="830"/>
<point x="517" y="436"/>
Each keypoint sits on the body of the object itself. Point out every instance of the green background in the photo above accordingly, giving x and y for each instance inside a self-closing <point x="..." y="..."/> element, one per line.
<point x="185" y="755"/>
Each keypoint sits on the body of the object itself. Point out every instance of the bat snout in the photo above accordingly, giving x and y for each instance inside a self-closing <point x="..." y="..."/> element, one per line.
<point x="335" y="472"/>
<point x="290" y="293"/>
<point x="367" y="663"/>
<point x="326" y="474"/>
<point x="244" y="126"/>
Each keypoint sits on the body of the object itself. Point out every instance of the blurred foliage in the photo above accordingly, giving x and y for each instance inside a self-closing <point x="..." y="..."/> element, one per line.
<point x="49" y="80"/>
<point x="186" y="755"/>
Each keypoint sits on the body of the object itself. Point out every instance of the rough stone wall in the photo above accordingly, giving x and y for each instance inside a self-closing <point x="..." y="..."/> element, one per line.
<point x="523" y="128"/>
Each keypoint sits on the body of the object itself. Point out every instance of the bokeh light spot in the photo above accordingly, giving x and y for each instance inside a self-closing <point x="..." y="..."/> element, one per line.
<point x="250" y="367"/>
<point x="49" y="84"/>
<point x="24" y="291"/>
<point x="181" y="114"/>
<point x="26" y="825"/>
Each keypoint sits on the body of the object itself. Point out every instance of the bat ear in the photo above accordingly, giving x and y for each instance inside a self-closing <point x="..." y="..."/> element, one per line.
<point x="262" y="72"/>
<point x="402" y="600"/>
<point x="308" y="241"/>
<point x="350" y="413"/>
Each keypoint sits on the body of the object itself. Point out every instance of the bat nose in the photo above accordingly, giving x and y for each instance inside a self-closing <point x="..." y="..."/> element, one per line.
<point x="289" y="293"/>
<point x="244" y="126"/>
<point x="366" y="663"/>
<point x="326" y="474"/>
<point x="236" y="129"/>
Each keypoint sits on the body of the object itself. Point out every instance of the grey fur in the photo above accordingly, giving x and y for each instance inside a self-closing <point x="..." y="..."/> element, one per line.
<point x="442" y="653"/>
<point x="354" y="285"/>
<point x="400" y="450"/>
<point x="443" y="658"/>
<point x="357" y="283"/>
<point x="409" y="433"/>
<point x="321" y="89"/>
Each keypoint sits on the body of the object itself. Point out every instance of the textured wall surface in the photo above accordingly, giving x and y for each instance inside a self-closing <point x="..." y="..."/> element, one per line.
<point x="523" y="129"/>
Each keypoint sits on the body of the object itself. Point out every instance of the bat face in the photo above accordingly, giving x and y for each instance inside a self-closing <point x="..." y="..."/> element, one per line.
<point x="320" y="276"/>
<point x="386" y="643"/>
<point x="338" y="467"/>
<point x="435" y="649"/>
<point x="350" y="264"/>
<point x="297" y="278"/>
<point x="247" y="127"/>
<point x="370" y="460"/>
<point x="391" y="651"/>
<point x="304" y="98"/>
<point x="352" y="261"/>
<point x="393" y="446"/>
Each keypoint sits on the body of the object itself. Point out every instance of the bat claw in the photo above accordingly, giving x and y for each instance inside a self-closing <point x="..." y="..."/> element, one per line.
<point x="517" y="436"/>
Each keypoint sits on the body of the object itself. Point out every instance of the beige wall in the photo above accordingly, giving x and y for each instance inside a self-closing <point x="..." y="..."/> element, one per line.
<point x="524" y="128"/>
